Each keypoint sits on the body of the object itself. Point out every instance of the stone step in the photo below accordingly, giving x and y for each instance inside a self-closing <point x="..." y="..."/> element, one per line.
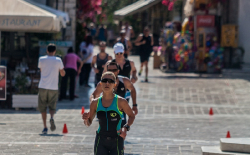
<point x="235" y="144"/>
<point x="215" y="150"/>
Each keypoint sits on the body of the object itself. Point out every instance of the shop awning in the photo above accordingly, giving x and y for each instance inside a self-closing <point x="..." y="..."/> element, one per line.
<point x="136" y="7"/>
<point x="29" y="16"/>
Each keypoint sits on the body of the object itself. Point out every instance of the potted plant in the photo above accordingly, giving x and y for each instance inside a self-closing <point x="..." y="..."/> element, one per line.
<point x="24" y="97"/>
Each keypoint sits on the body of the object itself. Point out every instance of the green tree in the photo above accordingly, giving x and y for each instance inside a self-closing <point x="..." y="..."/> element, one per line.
<point x="110" y="6"/>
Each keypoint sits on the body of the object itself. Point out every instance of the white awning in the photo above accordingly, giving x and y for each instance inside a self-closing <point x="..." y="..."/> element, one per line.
<point x="136" y="7"/>
<point x="29" y="16"/>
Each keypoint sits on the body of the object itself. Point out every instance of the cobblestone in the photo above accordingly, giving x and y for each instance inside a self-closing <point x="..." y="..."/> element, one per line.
<point x="173" y="118"/>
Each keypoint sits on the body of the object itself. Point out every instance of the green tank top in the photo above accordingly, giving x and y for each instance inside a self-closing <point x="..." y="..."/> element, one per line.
<point x="110" y="118"/>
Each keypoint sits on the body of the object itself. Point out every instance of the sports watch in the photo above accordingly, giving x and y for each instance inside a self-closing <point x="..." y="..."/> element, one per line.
<point x="127" y="127"/>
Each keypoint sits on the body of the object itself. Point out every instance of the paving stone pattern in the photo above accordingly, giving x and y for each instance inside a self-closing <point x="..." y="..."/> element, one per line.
<point x="173" y="117"/>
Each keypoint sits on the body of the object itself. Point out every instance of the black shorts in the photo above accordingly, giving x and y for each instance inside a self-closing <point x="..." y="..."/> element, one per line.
<point x="144" y="56"/>
<point x="108" y="145"/>
<point x="97" y="79"/>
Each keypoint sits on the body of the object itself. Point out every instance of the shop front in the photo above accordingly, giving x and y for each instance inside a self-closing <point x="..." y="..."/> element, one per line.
<point x="23" y="24"/>
<point x="197" y="46"/>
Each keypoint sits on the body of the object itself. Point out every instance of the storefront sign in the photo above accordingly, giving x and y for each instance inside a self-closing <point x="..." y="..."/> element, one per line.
<point x="229" y="36"/>
<point x="57" y="43"/>
<point x="28" y="23"/>
<point x="61" y="47"/>
<point x="3" y="79"/>
<point x="205" y="21"/>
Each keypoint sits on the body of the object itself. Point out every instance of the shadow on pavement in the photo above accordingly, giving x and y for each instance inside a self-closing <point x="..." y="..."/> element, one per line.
<point x="187" y="77"/>
<point x="203" y="76"/>
<point x="51" y="135"/>
<point x="149" y="82"/>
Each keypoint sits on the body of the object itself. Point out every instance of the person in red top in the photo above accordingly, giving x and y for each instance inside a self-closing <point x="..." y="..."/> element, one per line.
<point x="70" y="66"/>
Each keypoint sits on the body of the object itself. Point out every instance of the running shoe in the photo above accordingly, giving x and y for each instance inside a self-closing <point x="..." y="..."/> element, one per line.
<point x="52" y="125"/>
<point x="139" y="73"/>
<point x="146" y="80"/>
<point x="45" y="130"/>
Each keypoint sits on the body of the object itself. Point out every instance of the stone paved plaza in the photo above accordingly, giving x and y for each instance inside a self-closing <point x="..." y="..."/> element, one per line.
<point x="173" y="117"/>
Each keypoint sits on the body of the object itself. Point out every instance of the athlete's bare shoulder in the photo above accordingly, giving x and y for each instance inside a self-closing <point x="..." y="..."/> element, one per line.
<point x="131" y="62"/>
<point x="121" y="99"/>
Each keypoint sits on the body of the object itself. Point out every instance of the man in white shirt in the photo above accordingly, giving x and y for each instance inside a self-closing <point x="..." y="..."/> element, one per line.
<point x="50" y="66"/>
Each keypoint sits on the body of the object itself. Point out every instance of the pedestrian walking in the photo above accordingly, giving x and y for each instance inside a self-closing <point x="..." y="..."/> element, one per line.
<point x="102" y="33"/>
<point x="126" y="43"/>
<point x="146" y="42"/>
<point x="109" y="109"/>
<point x="87" y="56"/>
<point x="70" y="65"/>
<point x="92" y="32"/>
<point x="99" y="62"/>
<point x="50" y="66"/>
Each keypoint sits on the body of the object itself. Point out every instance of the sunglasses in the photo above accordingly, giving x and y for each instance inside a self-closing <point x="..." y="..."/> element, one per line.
<point x="119" y="53"/>
<point x="107" y="80"/>
<point x="102" y="46"/>
<point x="112" y="70"/>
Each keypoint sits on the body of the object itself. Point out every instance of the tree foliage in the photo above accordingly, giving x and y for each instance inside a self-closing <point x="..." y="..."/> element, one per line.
<point x="112" y="5"/>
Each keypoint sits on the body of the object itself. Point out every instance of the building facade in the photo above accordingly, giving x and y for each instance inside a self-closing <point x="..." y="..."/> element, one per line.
<point x="68" y="6"/>
<point x="244" y="23"/>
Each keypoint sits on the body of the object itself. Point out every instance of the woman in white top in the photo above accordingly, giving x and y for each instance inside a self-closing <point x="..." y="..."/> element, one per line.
<point x="87" y="56"/>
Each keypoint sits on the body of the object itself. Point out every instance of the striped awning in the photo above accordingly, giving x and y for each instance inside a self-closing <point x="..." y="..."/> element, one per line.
<point x="136" y="7"/>
<point x="29" y="16"/>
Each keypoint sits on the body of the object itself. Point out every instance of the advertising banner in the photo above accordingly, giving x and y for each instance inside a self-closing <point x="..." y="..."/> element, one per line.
<point x="205" y="21"/>
<point x="3" y="80"/>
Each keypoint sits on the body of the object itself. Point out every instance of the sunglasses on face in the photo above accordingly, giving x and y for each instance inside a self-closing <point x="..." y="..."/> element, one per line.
<point x="119" y="54"/>
<point x="107" y="80"/>
<point x="102" y="46"/>
<point x="112" y="70"/>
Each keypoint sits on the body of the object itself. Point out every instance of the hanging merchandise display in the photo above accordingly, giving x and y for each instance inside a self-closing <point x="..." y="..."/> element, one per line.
<point x="189" y="8"/>
<point x="196" y="46"/>
<point x="209" y="57"/>
<point x="166" y="47"/>
<point x="184" y="52"/>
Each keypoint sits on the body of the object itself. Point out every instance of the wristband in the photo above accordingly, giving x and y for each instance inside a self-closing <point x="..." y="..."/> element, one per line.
<point x="134" y="105"/>
<point x="127" y="127"/>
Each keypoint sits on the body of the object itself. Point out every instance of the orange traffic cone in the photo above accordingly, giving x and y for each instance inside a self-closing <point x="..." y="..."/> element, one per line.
<point x="65" y="130"/>
<point x="82" y="110"/>
<point x="228" y="134"/>
<point x="211" y="111"/>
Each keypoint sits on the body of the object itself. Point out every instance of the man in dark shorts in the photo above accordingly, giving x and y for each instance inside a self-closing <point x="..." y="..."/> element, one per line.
<point x="100" y="60"/>
<point x="50" y="66"/>
<point x="145" y="41"/>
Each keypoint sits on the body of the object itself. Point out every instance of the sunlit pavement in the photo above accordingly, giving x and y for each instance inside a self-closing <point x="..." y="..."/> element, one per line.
<point x="173" y="117"/>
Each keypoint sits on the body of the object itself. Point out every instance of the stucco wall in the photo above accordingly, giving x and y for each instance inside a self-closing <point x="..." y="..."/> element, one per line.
<point x="70" y="8"/>
<point x="244" y="28"/>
